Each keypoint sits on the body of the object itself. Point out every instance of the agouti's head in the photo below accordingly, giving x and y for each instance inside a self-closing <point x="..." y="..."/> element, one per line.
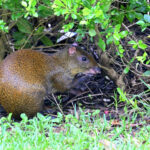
<point x="81" y="62"/>
<point x="70" y="63"/>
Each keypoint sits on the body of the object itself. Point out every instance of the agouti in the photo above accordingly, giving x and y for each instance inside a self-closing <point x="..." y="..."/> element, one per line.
<point x="28" y="76"/>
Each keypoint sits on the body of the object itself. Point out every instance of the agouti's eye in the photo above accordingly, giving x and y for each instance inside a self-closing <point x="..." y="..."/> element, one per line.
<point x="84" y="58"/>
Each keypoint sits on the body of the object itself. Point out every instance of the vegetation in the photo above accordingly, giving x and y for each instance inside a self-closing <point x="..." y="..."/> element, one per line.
<point x="119" y="31"/>
<point x="44" y="133"/>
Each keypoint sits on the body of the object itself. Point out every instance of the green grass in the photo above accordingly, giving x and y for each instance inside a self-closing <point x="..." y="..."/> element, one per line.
<point x="88" y="132"/>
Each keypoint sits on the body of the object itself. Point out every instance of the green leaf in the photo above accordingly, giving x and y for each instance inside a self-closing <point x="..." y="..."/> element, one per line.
<point x="117" y="28"/>
<point x="147" y="18"/>
<point x="39" y="30"/>
<point x="86" y="11"/>
<point x="68" y="3"/>
<point x="97" y="20"/>
<point x="20" y="38"/>
<point x="135" y="46"/>
<point x="148" y="62"/>
<point x="67" y="16"/>
<point x="106" y="6"/>
<point x="58" y="3"/>
<point x="126" y="70"/>
<point x="145" y="55"/>
<point x="92" y="32"/>
<point x="142" y="45"/>
<point x="96" y="112"/>
<point x="99" y="13"/>
<point x="122" y="95"/>
<point x="131" y="16"/>
<point x="146" y="73"/>
<point x="24" y="117"/>
<point x="116" y="42"/>
<point x="18" y="35"/>
<point x="123" y="34"/>
<point x="20" y="43"/>
<point x="142" y="58"/>
<point x="74" y="16"/>
<point x="102" y="44"/>
<point x="146" y="84"/>
<point x="32" y="3"/>
<point x="116" y="36"/>
<point x="139" y="16"/>
<point x="83" y="22"/>
<point x="86" y="3"/>
<point x="79" y="38"/>
<point x="44" y="11"/>
<point x="57" y="13"/>
<point x="24" y="4"/>
<point x="3" y="27"/>
<point x="132" y="59"/>
<point x="67" y="27"/>
<point x="132" y="42"/>
<point x="105" y="24"/>
<point x="16" y="16"/>
<point x="141" y="23"/>
<point x="90" y="16"/>
<point x="109" y="40"/>
<point x="35" y="14"/>
<point x="24" y="26"/>
<point x="121" y="50"/>
<point x="46" y="2"/>
<point x="46" y="41"/>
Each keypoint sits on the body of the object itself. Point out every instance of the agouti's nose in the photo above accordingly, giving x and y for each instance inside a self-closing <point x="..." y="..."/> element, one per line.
<point x="93" y="70"/>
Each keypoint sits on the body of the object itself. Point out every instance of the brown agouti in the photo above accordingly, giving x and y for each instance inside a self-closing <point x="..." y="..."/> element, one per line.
<point x="28" y="76"/>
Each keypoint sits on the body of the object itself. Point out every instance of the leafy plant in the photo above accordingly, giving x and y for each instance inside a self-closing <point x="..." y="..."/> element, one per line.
<point x="3" y="26"/>
<point x="109" y="19"/>
<point x="22" y="13"/>
<point x="123" y="98"/>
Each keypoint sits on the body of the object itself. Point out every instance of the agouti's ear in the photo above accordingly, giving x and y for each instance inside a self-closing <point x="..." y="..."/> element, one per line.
<point x="72" y="50"/>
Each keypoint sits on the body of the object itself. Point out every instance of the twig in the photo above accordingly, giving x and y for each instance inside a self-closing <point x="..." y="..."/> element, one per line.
<point x="57" y="104"/>
<point x="76" y="99"/>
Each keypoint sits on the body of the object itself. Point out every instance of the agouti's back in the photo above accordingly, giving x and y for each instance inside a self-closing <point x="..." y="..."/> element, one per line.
<point x="28" y="76"/>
